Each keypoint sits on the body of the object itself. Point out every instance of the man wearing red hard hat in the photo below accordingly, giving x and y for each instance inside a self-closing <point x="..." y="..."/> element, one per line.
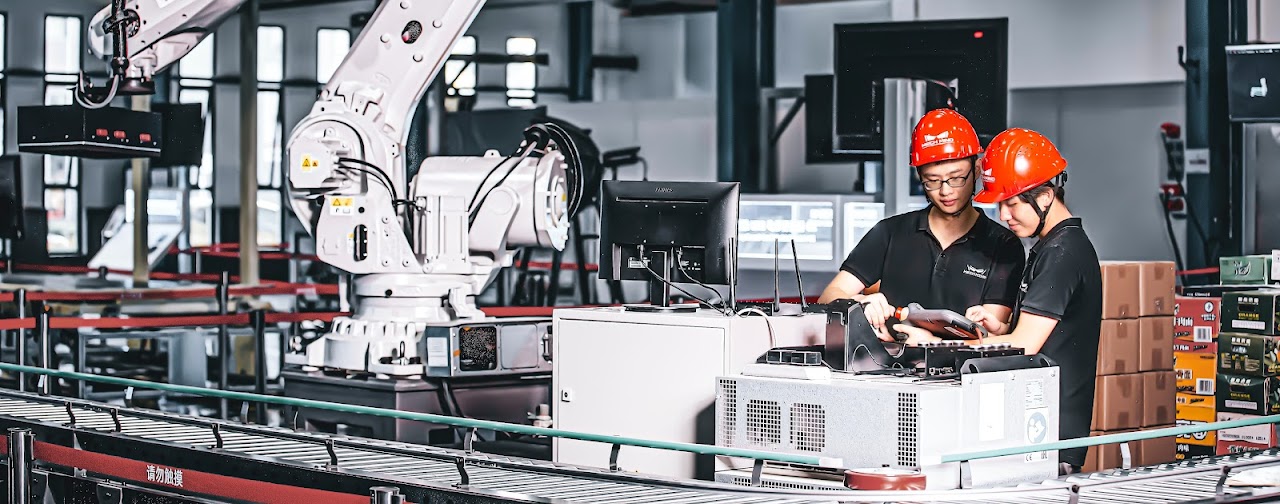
<point x="1059" y="305"/>
<point x="948" y="255"/>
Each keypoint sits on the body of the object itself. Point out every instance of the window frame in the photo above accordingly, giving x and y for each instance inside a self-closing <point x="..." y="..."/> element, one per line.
<point x="185" y="83"/>
<point x="350" y="41"/>
<point x="526" y="97"/>
<point x="275" y="179"/>
<point x="72" y="184"/>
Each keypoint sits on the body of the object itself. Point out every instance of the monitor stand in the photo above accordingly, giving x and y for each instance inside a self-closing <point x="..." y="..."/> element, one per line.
<point x="660" y="289"/>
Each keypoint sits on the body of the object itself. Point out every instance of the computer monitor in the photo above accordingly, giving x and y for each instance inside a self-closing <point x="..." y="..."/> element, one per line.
<point x="11" y="221"/>
<point x="1251" y="72"/>
<point x="665" y="232"/>
<point x="969" y="56"/>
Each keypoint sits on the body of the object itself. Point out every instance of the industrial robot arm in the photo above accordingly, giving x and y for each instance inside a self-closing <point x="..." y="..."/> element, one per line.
<point x="422" y="250"/>
<point x="156" y="33"/>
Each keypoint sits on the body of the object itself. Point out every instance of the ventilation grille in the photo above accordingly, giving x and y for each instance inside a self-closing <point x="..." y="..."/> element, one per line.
<point x="907" y="430"/>
<point x="808" y="427"/>
<point x="479" y="350"/>
<point x="728" y="404"/>
<point x="787" y="485"/>
<point x="764" y="423"/>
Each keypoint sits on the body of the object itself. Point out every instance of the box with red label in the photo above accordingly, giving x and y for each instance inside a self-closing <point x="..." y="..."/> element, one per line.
<point x="1238" y="447"/>
<point x="1183" y="451"/>
<point x="1196" y="324"/>
<point x="1264" y="434"/>
<point x="1196" y="415"/>
<point x="1196" y="373"/>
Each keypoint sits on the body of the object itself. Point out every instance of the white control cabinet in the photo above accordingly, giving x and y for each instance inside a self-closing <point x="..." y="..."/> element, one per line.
<point x="653" y="376"/>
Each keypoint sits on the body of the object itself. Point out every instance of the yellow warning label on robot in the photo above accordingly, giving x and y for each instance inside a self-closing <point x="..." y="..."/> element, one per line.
<point x="309" y="163"/>
<point x="341" y="206"/>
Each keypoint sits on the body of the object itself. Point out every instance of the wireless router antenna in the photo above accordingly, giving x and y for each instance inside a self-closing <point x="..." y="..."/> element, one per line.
<point x="795" y="260"/>
<point x="777" y="299"/>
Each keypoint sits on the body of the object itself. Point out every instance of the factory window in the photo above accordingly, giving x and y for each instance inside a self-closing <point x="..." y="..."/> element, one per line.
<point x="459" y="74"/>
<point x="62" y="50"/>
<point x="194" y="86"/>
<point x="271" y="135"/>
<point x="2" y="82"/>
<point x="270" y="178"/>
<point x="332" y="45"/>
<point x="523" y="76"/>
<point x="270" y="53"/>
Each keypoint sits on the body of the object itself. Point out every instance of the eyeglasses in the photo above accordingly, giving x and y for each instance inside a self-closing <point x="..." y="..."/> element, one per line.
<point x="934" y="185"/>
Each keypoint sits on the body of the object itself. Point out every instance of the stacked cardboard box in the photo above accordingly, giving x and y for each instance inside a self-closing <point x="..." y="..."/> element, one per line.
<point x="1196" y="322"/>
<point x="1136" y="384"/>
<point x="1246" y="270"/>
<point x="1248" y="361"/>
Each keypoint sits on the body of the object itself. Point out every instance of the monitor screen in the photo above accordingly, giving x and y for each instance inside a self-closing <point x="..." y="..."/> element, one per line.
<point x="693" y="222"/>
<point x="968" y="56"/>
<point x="11" y="221"/>
<point x="1253" y="83"/>
<point x="811" y="224"/>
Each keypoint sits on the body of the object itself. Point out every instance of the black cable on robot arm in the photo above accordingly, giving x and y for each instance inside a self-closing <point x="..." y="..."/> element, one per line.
<point x="378" y="172"/>
<point x="570" y="149"/>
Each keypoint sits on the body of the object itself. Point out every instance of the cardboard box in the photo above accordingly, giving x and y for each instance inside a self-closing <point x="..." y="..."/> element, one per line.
<point x="1157" y="451"/>
<point x="1248" y="354"/>
<point x="1155" y="344"/>
<point x="1183" y="346"/>
<point x="1238" y="447"/>
<point x="1199" y="401"/>
<point x="1245" y="270"/>
<point x="1119" y="290"/>
<point x="1117" y="402"/>
<point x="1196" y="372"/>
<point x="1264" y="434"/>
<point x="1196" y="320"/>
<point x="1118" y="347"/>
<point x="1109" y="456"/>
<point x="1214" y="291"/>
<point x="1158" y="393"/>
<point x="1155" y="288"/>
<point x="1196" y="415"/>
<point x="1185" y="451"/>
<point x="1252" y="312"/>
<point x="1250" y="395"/>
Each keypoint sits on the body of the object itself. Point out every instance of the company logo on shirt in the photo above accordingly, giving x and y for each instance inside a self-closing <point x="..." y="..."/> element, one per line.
<point x="975" y="272"/>
<point x="936" y="140"/>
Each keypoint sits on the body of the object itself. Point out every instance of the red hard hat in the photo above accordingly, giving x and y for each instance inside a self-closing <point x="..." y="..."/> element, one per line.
<point x="1017" y="160"/>
<point x="943" y="135"/>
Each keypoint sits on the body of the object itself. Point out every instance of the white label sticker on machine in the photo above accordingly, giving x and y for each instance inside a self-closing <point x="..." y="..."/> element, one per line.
<point x="1034" y="397"/>
<point x="1036" y="427"/>
<point x="991" y="412"/>
<point x="1275" y="265"/>
<point x="437" y="352"/>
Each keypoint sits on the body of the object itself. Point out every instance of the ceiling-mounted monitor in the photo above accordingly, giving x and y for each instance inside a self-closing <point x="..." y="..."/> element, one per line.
<point x="964" y="61"/>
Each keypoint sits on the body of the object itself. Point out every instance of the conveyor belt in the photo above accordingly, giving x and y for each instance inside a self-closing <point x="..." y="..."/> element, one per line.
<point x="301" y="460"/>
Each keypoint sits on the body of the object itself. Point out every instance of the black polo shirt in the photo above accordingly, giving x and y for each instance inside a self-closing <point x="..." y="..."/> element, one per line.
<point x="900" y="252"/>
<point x="1063" y="281"/>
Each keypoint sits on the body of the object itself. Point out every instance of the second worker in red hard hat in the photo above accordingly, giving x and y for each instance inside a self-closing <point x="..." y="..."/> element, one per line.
<point x="1058" y="312"/>
<point x="948" y="255"/>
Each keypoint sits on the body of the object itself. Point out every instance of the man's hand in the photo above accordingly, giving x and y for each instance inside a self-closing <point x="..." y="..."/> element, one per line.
<point x="988" y="320"/>
<point x="915" y="335"/>
<point x="878" y="310"/>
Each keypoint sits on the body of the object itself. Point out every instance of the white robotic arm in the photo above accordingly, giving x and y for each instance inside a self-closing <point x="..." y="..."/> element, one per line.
<point x="165" y="32"/>
<point x="421" y="251"/>
<point x="156" y="33"/>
